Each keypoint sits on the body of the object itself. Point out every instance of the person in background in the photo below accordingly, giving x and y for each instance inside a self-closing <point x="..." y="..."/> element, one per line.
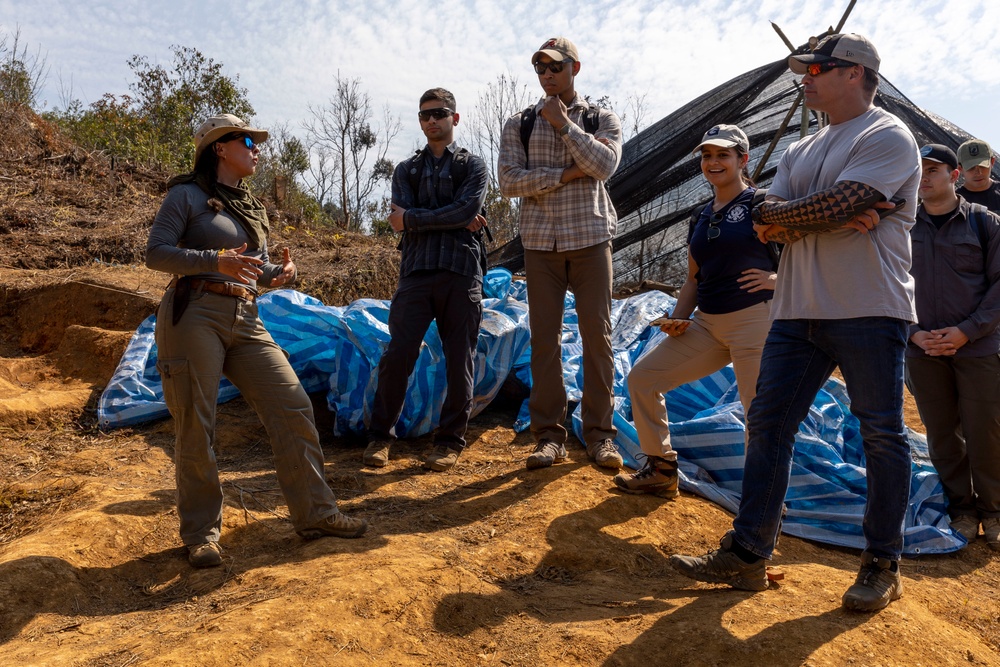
<point x="953" y="356"/>
<point x="437" y="196"/>
<point x="731" y="278"/>
<point x="211" y="234"/>
<point x="975" y="161"/>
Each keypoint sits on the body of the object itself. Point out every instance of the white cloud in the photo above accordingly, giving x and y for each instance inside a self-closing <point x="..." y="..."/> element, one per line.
<point x="287" y="54"/>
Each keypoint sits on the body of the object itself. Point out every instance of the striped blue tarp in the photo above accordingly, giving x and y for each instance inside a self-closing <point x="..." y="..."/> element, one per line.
<point x="337" y="349"/>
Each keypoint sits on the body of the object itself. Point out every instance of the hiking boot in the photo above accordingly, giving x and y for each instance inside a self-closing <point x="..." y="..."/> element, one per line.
<point x="658" y="477"/>
<point x="967" y="526"/>
<point x="546" y="453"/>
<point x="206" y="554"/>
<point x="441" y="458"/>
<point x="605" y="454"/>
<point x="335" y="525"/>
<point x="722" y="566"/>
<point x="991" y="531"/>
<point x="377" y="453"/>
<point x="876" y="586"/>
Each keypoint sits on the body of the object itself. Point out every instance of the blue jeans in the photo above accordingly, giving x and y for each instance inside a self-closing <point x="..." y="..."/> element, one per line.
<point x="799" y="356"/>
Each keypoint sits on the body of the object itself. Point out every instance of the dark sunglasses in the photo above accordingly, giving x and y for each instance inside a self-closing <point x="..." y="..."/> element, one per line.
<point x="713" y="226"/>
<point x="436" y="114"/>
<point x="553" y="66"/>
<point x="815" y="69"/>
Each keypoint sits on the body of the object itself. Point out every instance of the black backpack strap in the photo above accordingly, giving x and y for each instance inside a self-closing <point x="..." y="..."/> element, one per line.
<point x="592" y="119"/>
<point x="459" y="168"/>
<point x="979" y="219"/>
<point x="414" y="164"/>
<point x="527" y="125"/>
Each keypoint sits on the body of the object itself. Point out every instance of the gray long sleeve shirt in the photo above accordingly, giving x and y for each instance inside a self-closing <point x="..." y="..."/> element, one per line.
<point x="955" y="285"/>
<point x="187" y="236"/>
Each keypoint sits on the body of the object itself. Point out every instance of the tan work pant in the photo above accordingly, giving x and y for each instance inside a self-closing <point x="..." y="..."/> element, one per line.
<point x="711" y="342"/>
<point x="588" y="273"/>
<point x="222" y="335"/>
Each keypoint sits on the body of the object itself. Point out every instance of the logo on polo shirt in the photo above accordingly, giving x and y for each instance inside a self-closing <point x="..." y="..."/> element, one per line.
<point x="738" y="213"/>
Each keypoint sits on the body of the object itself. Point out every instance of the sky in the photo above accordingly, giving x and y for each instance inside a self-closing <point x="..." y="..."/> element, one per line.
<point x="944" y="56"/>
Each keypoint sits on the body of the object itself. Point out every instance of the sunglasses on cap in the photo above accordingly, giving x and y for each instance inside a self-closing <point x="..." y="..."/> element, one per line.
<point x="815" y="69"/>
<point x="554" y="66"/>
<point x="436" y="114"/>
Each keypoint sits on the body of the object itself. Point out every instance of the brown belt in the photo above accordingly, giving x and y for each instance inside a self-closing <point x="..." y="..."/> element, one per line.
<point x="227" y="289"/>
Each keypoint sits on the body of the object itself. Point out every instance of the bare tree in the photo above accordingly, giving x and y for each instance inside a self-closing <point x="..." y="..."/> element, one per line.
<point x="351" y="152"/>
<point x="633" y="122"/>
<point x="22" y="74"/>
<point x="502" y="98"/>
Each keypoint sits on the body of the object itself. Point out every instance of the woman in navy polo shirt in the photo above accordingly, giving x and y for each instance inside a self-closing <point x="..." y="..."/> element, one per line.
<point x="731" y="278"/>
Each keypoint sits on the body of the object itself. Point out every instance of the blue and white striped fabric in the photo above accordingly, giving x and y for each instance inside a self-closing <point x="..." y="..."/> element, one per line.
<point x="339" y="349"/>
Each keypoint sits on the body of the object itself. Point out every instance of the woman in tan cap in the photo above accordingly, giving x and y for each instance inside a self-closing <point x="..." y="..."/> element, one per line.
<point x="731" y="278"/>
<point x="211" y="234"/>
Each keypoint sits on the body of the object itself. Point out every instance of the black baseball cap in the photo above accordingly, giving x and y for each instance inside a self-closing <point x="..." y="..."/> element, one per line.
<point x="939" y="153"/>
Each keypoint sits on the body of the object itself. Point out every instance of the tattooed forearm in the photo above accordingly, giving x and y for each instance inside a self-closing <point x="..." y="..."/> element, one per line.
<point x="823" y="211"/>
<point x="786" y="236"/>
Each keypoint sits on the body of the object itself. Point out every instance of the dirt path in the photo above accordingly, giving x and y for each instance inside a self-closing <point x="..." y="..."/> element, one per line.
<point x="487" y="564"/>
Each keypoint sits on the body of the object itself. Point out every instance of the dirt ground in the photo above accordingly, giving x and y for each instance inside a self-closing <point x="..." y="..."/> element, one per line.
<point x="487" y="564"/>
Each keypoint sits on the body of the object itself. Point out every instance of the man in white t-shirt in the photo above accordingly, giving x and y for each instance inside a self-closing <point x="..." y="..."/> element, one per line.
<point x="843" y="299"/>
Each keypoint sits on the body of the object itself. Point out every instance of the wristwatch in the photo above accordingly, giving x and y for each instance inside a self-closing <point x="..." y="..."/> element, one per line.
<point x="564" y="130"/>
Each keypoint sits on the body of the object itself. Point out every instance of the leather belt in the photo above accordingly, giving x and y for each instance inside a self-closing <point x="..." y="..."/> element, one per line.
<point x="226" y="289"/>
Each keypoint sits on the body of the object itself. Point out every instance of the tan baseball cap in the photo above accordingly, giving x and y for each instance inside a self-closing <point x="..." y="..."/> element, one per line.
<point x="216" y="127"/>
<point x="726" y="136"/>
<point x="849" y="47"/>
<point x="975" y="153"/>
<point x="557" y="48"/>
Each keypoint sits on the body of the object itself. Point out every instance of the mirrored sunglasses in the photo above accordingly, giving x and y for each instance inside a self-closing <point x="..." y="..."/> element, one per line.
<point x="815" y="69"/>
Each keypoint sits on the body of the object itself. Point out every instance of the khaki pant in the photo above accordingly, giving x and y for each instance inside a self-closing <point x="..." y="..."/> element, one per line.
<point x="710" y="343"/>
<point x="588" y="273"/>
<point x="222" y="335"/>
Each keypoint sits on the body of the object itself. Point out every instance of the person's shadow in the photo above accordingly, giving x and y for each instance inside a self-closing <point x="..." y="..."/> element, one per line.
<point x="688" y="633"/>
<point x="33" y="585"/>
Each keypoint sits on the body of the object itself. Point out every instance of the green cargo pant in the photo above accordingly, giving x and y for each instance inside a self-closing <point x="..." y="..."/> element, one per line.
<point x="222" y="335"/>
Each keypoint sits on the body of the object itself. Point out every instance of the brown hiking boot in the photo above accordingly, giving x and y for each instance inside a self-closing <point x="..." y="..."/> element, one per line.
<point x="722" y="566"/>
<point x="991" y="531"/>
<point x="206" y="554"/>
<point x="377" y="453"/>
<point x="546" y="453"/>
<point x="967" y="526"/>
<point x="876" y="586"/>
<point x="658" y="477"/>
<point x="441" y="458"/>
<point x="335" y="525"/>
<point x="605" y="454"/>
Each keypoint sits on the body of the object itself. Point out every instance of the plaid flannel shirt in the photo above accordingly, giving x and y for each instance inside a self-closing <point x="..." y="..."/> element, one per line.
<point x="557" y="216"/>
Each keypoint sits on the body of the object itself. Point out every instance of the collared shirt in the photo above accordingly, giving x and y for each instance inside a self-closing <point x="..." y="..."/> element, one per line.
<point x="951" y="288"/>
<point x="435" y="234"/>
<point x="557" y="216"/>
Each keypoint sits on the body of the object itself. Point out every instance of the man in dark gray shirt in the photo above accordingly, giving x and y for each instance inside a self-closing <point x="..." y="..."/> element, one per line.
<point x="437" y="196"/>
<point x="952" y="365"/>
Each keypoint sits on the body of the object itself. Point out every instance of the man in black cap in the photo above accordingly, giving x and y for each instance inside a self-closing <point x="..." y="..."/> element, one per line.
<point x="843" y="299"/>
<point x="952" y="362"/>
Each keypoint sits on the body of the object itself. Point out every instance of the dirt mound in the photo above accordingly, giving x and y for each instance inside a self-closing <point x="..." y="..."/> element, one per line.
<point x="487" y="564"/>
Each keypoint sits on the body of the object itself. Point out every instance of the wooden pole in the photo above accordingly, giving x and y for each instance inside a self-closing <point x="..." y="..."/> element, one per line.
<point x="777" y="137"/>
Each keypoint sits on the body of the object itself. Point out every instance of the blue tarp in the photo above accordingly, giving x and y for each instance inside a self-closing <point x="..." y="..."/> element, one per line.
<point x="338" y="348"/>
